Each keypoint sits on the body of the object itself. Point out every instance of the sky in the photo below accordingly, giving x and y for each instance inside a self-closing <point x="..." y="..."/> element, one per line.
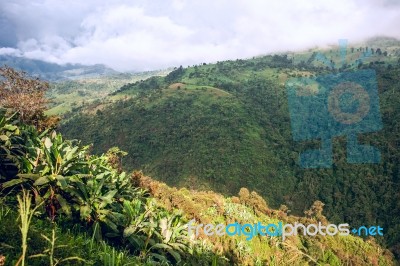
<point x="149" y="35"/>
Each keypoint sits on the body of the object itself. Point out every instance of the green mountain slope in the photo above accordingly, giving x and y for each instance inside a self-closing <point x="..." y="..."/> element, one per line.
<point x="62" y="205"/>
<point x="72" y="95"/>
<point x="226" y="125"/>
<point x="190" y="132"/>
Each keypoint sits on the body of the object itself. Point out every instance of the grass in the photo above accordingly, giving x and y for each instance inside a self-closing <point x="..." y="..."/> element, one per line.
<point x="71" y="246"/>
<point x="25" y="216"/>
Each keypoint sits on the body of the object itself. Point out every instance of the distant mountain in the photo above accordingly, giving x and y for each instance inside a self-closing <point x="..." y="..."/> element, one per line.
<point x="55" y="72"/>
<point x="385" y="42"/>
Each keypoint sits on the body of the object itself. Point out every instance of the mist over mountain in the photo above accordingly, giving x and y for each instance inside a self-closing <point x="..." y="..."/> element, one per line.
<point x="55" y="72"/>
<point x="142" y="36"/>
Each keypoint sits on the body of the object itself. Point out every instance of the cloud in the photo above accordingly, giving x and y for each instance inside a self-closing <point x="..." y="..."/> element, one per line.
<point x="10" y="51"/>
<point x="158" y="34"/>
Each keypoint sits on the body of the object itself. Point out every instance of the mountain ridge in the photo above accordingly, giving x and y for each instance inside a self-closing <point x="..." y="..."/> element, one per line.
<point x="55" y="72"/>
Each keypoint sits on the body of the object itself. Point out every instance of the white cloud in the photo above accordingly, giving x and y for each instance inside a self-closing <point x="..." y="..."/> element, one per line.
<point x="157" y="34"/>
<point x="178" y="4"/>
<point x="9" y="51"/>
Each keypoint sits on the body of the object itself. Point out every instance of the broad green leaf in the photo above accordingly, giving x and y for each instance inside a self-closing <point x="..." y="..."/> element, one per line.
<point x="62" y="181"/>
<point x="44" y="133"/>
<point x="109" y="196"/>
<point x="71" y="153"/>
<point x="136" y="241"/>
<point x="46" y="170"/>
<point x="47" y="143"/>
<point x="175" y="254"/>
<point x="160" y="257"/>
<point x="129" y="231"/>
<point x="32" y="177"/>
<point x="81" y="190"/>
<point x="160" y="245"/>
<point x="10" y="127"/>
<point x="111" y="225"/>
<point x="85" y="212"/>
<point x="41" y="181"/>
<point x="13" y="182"/>
<point x="64" y="204"/>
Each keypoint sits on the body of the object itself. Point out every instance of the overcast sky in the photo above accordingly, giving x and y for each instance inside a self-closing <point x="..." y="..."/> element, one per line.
<point x="146" y="35"/>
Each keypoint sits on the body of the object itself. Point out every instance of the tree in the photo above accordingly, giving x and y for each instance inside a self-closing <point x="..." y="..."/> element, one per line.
<point x="175" y="75"/>
<point x="26" y="96"/>
<point x="316" y="211"/>
<point x="114" y="157"/>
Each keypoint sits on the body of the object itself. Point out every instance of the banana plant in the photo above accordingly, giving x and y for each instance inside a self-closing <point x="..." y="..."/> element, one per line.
<point x="18" y="143"/>
<point x="138" y="230"/>
<point x="171" y="235"/>
<point x="57" y="157"/>
<point x="11" y="148"/>
<point x="54" y="163"/>
<point x="155" y="232"/>
<point x="93" y="201"/>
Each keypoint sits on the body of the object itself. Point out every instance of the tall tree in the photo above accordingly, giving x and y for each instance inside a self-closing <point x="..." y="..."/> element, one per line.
<point x="26" y="96"/>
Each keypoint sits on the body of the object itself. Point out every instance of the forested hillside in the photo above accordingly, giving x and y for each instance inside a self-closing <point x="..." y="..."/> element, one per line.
<point x="62" y="205"/>
<point x="225" y="126"/>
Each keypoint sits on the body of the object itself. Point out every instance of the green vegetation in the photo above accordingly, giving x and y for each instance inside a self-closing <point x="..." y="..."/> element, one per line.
<point x="225" y="126"/>
<point x="72" y="95"/>
<point x="77" y="209"/>
<point x="69" y="184"/>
